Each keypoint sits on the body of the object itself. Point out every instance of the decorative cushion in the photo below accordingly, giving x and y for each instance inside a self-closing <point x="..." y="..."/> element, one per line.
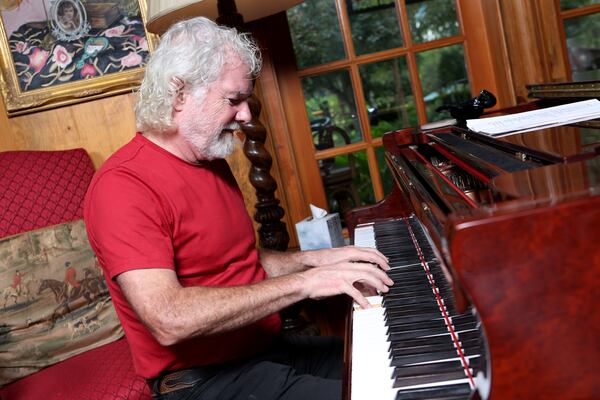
<point x="41" y="188"/>
<point x="55" y="303"/>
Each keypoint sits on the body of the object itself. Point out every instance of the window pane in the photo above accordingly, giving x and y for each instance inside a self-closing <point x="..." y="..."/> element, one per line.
<point x="431" y="19"/>
<point x="315" y="32"/>
<point x="331" y="109"/>
<point x="568" y="4"/>
<point x="386" y="174"/>
<point x="444" y="79"/>
<point x="583" y="45"/>
<point x="374" y="25"/>
<point x="388" y="95"/>
<point x="347" y="182"/>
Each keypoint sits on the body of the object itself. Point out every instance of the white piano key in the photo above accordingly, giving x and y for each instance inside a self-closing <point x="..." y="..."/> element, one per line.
<point x="371" y="373"/>
<point x="364" y="236"/>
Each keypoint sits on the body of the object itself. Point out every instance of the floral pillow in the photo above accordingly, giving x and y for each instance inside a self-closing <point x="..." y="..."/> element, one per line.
<point x="54" y="301"/>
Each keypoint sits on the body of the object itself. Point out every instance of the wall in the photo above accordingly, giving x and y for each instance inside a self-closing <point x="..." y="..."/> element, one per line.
<point x="100" y="127"/>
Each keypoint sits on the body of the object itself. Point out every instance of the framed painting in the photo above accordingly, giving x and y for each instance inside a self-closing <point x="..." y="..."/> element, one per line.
<point x="59" y="52"/>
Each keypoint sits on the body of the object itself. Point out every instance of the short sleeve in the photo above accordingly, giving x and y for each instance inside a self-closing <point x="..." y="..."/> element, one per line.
<point x="128" y="224"/>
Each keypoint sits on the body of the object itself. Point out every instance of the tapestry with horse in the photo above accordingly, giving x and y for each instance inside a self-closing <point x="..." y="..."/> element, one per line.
<point x="54" y="302"/>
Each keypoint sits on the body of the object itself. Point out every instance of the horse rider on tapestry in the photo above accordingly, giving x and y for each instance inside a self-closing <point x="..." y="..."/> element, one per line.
<point x="71" y="280"/>
<point x="17" y="280"/>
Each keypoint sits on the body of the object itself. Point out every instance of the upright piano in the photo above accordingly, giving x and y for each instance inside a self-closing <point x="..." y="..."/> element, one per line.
<point x="495" y="254"/>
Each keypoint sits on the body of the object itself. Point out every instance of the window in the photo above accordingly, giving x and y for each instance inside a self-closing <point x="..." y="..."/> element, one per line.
<point x="367" y="67"/>
<point x="581" y="21"/>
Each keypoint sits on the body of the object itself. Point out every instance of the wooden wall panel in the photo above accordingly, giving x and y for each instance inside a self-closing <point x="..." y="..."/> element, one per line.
<point x="99" y="126"/>
<point x="535" y="53"/>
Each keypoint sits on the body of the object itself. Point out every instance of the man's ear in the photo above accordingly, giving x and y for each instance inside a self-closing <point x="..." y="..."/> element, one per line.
<point x="176" y="87"/>
<point x="179" y="101"/>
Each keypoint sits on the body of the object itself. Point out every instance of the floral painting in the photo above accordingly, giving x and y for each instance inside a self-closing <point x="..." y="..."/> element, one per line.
<point x="59" y="51"/>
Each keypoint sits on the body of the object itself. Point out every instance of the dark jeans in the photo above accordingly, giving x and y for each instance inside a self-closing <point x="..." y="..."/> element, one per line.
<point x="295" y="368"/>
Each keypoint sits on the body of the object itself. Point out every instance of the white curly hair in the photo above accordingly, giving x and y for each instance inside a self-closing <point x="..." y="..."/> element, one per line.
<point x="190" y="57"/>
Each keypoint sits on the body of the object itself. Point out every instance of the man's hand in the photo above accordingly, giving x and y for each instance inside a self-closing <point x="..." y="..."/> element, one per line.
<point x="345" y="270"/>
<point x="315" y="258"/>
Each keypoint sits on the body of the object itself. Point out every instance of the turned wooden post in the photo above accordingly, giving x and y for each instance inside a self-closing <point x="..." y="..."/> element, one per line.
<point x="272" y="231"/>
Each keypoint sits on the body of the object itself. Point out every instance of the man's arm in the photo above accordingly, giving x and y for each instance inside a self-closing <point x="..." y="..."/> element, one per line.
<point x="278" y="263"/>
<point x="173" y="313"/>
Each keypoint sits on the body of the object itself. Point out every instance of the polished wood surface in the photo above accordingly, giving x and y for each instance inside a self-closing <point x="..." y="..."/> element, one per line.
<point x="531" y="275"/>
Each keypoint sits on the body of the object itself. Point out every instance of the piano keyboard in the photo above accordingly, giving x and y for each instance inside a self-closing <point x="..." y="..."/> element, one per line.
<point x="412" y="344"/>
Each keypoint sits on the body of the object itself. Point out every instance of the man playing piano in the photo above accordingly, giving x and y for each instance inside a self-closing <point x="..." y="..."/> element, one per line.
<point x="168" y="224"/>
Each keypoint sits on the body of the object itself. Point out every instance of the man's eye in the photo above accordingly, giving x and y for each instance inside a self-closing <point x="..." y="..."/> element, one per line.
<point x="235" y="102"/>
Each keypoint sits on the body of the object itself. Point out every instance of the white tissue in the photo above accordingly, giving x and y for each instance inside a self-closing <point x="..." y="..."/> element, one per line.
<point x="317" y="212"/>
<point x="320" y="231"/>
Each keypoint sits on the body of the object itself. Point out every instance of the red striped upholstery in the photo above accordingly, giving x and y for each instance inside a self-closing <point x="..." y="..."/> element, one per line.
<point x="42" y="188"/>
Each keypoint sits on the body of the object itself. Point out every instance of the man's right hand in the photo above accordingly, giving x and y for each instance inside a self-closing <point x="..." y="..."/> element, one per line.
<point x="344" y="277"/>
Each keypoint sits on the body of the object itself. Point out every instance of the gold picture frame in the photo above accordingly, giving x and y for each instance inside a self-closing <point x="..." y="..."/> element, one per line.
<point x="43" y="65"/>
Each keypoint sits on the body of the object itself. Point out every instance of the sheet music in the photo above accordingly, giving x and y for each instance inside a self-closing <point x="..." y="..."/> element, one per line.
<point x="536" y="119"/>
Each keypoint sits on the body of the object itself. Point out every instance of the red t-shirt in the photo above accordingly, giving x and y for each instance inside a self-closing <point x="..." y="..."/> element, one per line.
<point x="147" y="208"/>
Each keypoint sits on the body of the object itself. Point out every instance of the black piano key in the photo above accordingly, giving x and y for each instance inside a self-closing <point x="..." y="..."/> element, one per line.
<point x="396" y="314"/>
<point x="412" y="297"/>
<point x="433" y="356"/>
<point x="463" y="336"/>
<point x="411" y="285"/>
<point x="399" y="291"/>
<point x="430" y="348"/>
<point x="401" y="382"/>
<point x="406" y="301"/>
<point x="414" y="292"/>
<point x="405" y="319"/>
<point x="436" y="323"/>
<point x="435" y="392"/>
<point x="442" y="289"/>
<point x="403" y="279"/>
<point x="450" y="397"/>
<point x="401" y="288"/>
<point x="390" y="245"/>
<point x="403" y="264"/>
<point x="431" y="368"/>
<point x="409" y="270"/>
<point x="392" y="312"/>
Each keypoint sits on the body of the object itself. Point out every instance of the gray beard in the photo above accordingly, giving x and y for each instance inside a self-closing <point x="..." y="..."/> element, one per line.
<point x="221" y="147"/>
<point x="221" y="144"/>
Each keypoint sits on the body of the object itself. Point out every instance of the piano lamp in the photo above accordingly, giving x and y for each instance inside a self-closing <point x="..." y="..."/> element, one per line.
<point x="162" y="13"/>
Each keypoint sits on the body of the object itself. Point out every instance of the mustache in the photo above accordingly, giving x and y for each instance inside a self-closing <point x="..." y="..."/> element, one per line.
<point x="232" y="126"/>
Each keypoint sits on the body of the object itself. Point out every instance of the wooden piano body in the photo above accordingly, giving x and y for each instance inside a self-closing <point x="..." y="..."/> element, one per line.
<point x="515" y="222"/>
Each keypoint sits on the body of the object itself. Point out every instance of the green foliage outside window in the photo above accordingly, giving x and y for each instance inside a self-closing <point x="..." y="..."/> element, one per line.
<point x="568" y="4"/>
<point x="583" y="44"/>
<point x="315" y="32"/>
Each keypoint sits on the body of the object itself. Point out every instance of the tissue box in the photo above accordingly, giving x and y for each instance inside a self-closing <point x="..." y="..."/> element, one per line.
<point x="320" y="233"/>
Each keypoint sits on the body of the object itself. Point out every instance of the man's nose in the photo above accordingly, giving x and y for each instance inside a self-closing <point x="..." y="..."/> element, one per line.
<point x="243" y="115"/>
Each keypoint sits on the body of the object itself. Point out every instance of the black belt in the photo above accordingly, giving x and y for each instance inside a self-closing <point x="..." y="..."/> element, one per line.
<point x="182" y="379"/>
